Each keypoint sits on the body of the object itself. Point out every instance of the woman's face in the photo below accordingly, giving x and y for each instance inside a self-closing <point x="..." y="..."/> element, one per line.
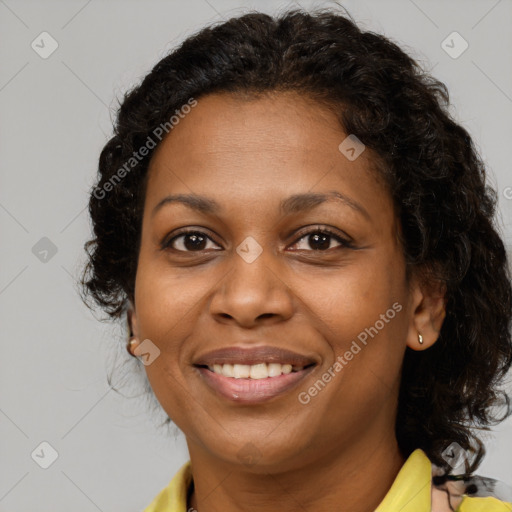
<point x="265" y="273"/>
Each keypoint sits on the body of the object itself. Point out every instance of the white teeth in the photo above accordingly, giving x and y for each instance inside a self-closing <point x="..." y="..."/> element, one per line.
<point x="254" y="371"/>
<point x="287" y="368"/>
<point x="227" y="370"/>
<point x="241" y="371"/>
<point x="274" y="370"/>
<point x="258" y="371"/>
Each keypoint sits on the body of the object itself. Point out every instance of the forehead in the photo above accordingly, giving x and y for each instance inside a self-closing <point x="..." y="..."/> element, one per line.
<point x="270" y="124"/>
<point x="259" y="148"/>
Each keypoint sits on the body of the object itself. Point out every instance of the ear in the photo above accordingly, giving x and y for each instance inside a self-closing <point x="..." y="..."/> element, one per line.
<point x="428" y="311"/>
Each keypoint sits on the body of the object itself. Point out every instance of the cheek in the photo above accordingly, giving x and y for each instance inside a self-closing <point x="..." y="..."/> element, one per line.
<point x="167" y="303"/>
<point x="361" y="313"/>
<point x="353" y="298"/>
<point x="165" y="315"/>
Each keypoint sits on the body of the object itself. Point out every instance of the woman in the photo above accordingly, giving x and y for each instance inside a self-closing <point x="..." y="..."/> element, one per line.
<point x="302" y="241"/>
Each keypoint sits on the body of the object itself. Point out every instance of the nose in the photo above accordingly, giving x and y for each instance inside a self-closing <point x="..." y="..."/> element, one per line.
<point x="252" y="293"/>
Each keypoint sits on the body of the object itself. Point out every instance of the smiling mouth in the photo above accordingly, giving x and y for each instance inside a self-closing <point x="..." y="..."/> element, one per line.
<point x="254" y="371"/>
<point x="263" y="383"/>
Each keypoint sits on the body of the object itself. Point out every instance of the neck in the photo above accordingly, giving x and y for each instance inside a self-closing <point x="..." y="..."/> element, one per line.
<point x="354" y="481"/>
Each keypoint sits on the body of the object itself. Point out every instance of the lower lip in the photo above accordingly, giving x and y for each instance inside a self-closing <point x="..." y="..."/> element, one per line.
<point x="252" y="390"/>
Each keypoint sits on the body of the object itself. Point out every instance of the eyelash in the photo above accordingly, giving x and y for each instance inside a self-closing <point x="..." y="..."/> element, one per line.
<point x="344" y="242"/>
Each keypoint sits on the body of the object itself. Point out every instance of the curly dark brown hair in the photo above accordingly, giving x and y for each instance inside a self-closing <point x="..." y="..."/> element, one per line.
<point x="428" y="162"/>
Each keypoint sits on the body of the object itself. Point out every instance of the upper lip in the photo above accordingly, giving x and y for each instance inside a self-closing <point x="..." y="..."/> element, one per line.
<point x="253" y="355"/>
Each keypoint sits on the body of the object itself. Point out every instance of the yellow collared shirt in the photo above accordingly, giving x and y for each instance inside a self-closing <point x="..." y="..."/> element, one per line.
<point x="411" y="492"/>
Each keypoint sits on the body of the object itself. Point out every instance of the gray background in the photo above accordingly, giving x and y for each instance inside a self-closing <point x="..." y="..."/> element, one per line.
<point x="56" y="115"/>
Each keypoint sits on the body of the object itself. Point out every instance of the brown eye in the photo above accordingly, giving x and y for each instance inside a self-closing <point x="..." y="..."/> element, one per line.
<point x="320" y="240"/>
<point x="189" y="241"/>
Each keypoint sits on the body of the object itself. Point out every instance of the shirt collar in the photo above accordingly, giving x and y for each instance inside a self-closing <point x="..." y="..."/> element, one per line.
<point x="411" y="490"/>
<point x="175" y="496"/>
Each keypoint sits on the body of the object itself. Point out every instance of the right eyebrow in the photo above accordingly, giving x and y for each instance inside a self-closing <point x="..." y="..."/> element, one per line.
<point x="202" y="204"/>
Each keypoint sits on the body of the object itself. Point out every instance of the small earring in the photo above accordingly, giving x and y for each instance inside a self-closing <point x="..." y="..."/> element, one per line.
<point x="420" y="339"/>
<point x="130" y="345"/>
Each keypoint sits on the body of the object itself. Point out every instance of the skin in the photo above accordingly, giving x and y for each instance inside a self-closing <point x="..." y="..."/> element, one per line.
<point x="339" y="451"/>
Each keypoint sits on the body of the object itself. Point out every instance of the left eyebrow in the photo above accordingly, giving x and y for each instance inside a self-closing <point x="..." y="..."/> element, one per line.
<point x="293" y="204"/>
<point x="308" y="201"/>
